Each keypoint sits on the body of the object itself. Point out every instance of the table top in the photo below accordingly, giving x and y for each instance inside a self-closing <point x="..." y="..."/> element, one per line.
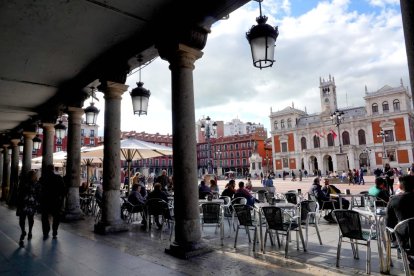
<point x="280" y="205"/>
<point x="201" y="201"/>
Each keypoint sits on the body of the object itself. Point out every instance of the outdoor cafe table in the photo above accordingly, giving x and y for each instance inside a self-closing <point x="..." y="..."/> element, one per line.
<point x="341" y="195"/>
<point x="259" y="206"/>
<point x="379" y="220"/>
<point x="201" y="201"/>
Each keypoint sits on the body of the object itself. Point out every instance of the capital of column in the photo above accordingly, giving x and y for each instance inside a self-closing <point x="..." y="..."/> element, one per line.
<point x="48" y="126"/>
<point x="113" y="90"/>
<point x="182" y="57"/>
<point x="29" y="135"/>
<point x="15" y="142"/>
<point x="75" y="113"/>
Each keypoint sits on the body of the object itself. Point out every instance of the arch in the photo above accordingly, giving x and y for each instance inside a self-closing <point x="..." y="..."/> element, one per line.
<point x="303" y="143"/>
<point x="345" y="138"/>
<point x="385" y="107"/>
<point x="289" y="123"/>
<point x="374" y="108"/>
<point x="316" y="142"/>
<point x="282" y="123"/>
<point x="330" y="140"/>
<point x="313" y="164"/>
<point x="361" y="137"/>
<point x="327" y="164"/>
<point x="396" y="105"/>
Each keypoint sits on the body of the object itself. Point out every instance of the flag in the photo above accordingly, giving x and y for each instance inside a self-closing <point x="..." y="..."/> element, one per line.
<point x="321" y="134"/>
<point x="333" y="134"/>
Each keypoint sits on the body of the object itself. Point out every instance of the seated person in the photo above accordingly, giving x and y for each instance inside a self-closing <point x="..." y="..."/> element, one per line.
<point x="203" y="190"/>
<point x="156" y="193"/>
<point x="399" y="208"/>
<point x="380" y="190"/>
<point x="213" y="186"/>
<point x="316" y="190"/>
<point x="99" y="192"/>
<point x="229" y="190"/>
<point x="249" y="185"/>
<point x="135" y="198"/>
<point x="242" y="192"/>
<point x="83" y="188"/>
<point x="330" y="189"/>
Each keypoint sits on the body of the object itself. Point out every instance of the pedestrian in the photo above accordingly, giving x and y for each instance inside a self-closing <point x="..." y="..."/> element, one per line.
<point x="361" y="176"/>
<point x="305" y="173"/>
<point x="52" y="194"/>
<point x="27" y="203"/>
<point x="300" y="175"/>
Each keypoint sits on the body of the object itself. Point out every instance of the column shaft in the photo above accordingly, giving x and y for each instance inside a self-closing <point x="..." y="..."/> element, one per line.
<point x="187" y="216"/>
<point x="72" y="177"/>
<point x="1" y="164"/>
<point x="6" y="173"/>
<point x="110" y="219"/>
<point x="407" y="11"/>
<point x="27" y="151"/>
<point x="14" y="169"/>
<point x="47" y="145"/>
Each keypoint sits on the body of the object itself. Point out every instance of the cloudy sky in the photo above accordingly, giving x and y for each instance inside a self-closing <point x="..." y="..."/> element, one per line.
<point x="359" y="42"/>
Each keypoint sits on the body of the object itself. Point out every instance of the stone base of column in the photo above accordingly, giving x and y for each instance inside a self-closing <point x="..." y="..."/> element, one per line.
<point x="103" y="228"/>
<point x="73" y="215"/>
<point x="189" y="250"/>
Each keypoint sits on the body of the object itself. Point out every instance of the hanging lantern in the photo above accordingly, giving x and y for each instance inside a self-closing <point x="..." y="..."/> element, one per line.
<point x="140" y="97"/>
<point x="37" y="142"/>
<point x="91" y="113"/>
<point x="60" y="129"/>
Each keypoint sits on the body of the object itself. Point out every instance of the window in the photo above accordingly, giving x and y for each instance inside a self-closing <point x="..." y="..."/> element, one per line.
<point x="396" y="105"/>
<point x="374" y="108"/>
<point x="316" y="142"/>
<point x="284" y="147"/>
<point x="170" y="162"/>
<point x="330" y="140"/>
<point x="282" y="124"/>
<point x="82" y="142"/>
<point x="59" y="141"/>
<point x="82" y="132"/>
<point x="237" y="154"/>
<point x="163" y="162"/>
<point x="385" y="107"/>
<point x="244" y="162"/>
<point x="285" y="162"/>
<point x="389" y="135"/>
<point x="275" y="125"/>
<point x="361" y="137"/>
<point x="345" y="138"/>
<point x="303" y="143"/>
<point x="58" y="148"/>
<point x="92" y="133"/>
<point x="92" y="141"/>
<point x="391" y="155"/>
<point x="157" y="162"/>
<point x="289" y="123"/>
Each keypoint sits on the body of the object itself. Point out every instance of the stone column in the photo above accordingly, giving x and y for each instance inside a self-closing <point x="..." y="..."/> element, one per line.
<point x="1" y="164"/>
<point x="27" y="151"/>
<point x="407" y="11"/>
<point x="186" y="208"/>
<point x="47" y="145"/>
<point x="6" y="173"/>
<point x="73" y="211"/>
<point x="14" y="172"/>
<point x="111" y="213"/>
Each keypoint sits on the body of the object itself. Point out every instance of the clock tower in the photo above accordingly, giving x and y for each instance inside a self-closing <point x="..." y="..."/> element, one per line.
<point x="328" y="95"/>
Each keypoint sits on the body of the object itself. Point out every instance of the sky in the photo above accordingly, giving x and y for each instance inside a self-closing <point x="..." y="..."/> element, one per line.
<point x="359" y="42"/>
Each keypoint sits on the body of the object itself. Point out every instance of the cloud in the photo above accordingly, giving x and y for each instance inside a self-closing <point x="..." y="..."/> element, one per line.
<point x="357" y="47"/>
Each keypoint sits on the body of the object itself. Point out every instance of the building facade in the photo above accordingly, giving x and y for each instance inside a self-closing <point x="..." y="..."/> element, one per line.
<point x="312" y="141"/>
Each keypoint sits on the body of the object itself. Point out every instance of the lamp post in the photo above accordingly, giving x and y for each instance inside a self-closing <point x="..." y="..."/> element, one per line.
<point x="218" y="153"/>
<point x="337" y="118"/>
<point x="383" y="135"/>
<point x="208" y="129"/>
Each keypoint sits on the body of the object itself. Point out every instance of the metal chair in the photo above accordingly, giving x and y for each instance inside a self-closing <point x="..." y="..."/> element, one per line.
<point x="350" y="227"/>
<point x="322" y="204"/>
<point x="291" y="197"/>
<point x="404" y="234"/>
<point x="261" y="195"/>
<point x="156" y="207"/>
<point x="275" y="222"/>
<point x="128" y="210"/>
<point x="212" y="216"/>
<point x="309" y="210"/>
<point x="228" y="212"/>
<point x="244" y="216"/>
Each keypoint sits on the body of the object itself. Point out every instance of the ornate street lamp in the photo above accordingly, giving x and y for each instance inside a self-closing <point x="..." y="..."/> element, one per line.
<point x="140" y="95"/>
<point x="209" y="129"/>
<point x="21" y="146"/>
<point x="337" y="118"/>
<point x="91" y="112"/>
<point x="37" y="142"/>
<point x="60" y="130"/>
<point x="262" y="38"/>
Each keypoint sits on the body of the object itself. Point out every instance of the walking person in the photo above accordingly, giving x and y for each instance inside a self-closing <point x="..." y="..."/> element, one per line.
<point x="51" y="200"/>
<point x="27" y="203"/>
<point x="300" y="175"/>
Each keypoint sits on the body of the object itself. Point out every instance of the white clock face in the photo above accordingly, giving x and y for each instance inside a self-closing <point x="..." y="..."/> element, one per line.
<point x="326" y="100"/>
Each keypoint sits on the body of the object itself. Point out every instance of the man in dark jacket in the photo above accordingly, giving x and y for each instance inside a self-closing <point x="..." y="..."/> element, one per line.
<point x="51" y="200"/>
<point x="321" y="197"/>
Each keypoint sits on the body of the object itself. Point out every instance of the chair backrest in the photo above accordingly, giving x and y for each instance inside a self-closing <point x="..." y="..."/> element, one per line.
<point x="156" y="207"/>
<point x="349" y="223"/>
<point x="226" y="199"/>
<point x="404" y="232"/>
<point x="291" y="197"/>
<point x="261" y="195"/>
<point x="239" y="200"/>
<point x="306" y="207"/>
<point x="269" y="197"/>
<point x="274" y="217"/>
<point x="244" y="214"/>
<point x="211" y="212"/>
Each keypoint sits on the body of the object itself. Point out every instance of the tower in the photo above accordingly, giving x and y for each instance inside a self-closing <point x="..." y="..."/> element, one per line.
<point x="328" y="94"/>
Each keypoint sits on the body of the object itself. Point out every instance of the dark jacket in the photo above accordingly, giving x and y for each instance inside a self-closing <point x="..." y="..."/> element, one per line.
<point x="399" y="208"/>
<point x="158" y="194"/>
<point x="52" y="192"/>
<point x="228" y="192"/>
